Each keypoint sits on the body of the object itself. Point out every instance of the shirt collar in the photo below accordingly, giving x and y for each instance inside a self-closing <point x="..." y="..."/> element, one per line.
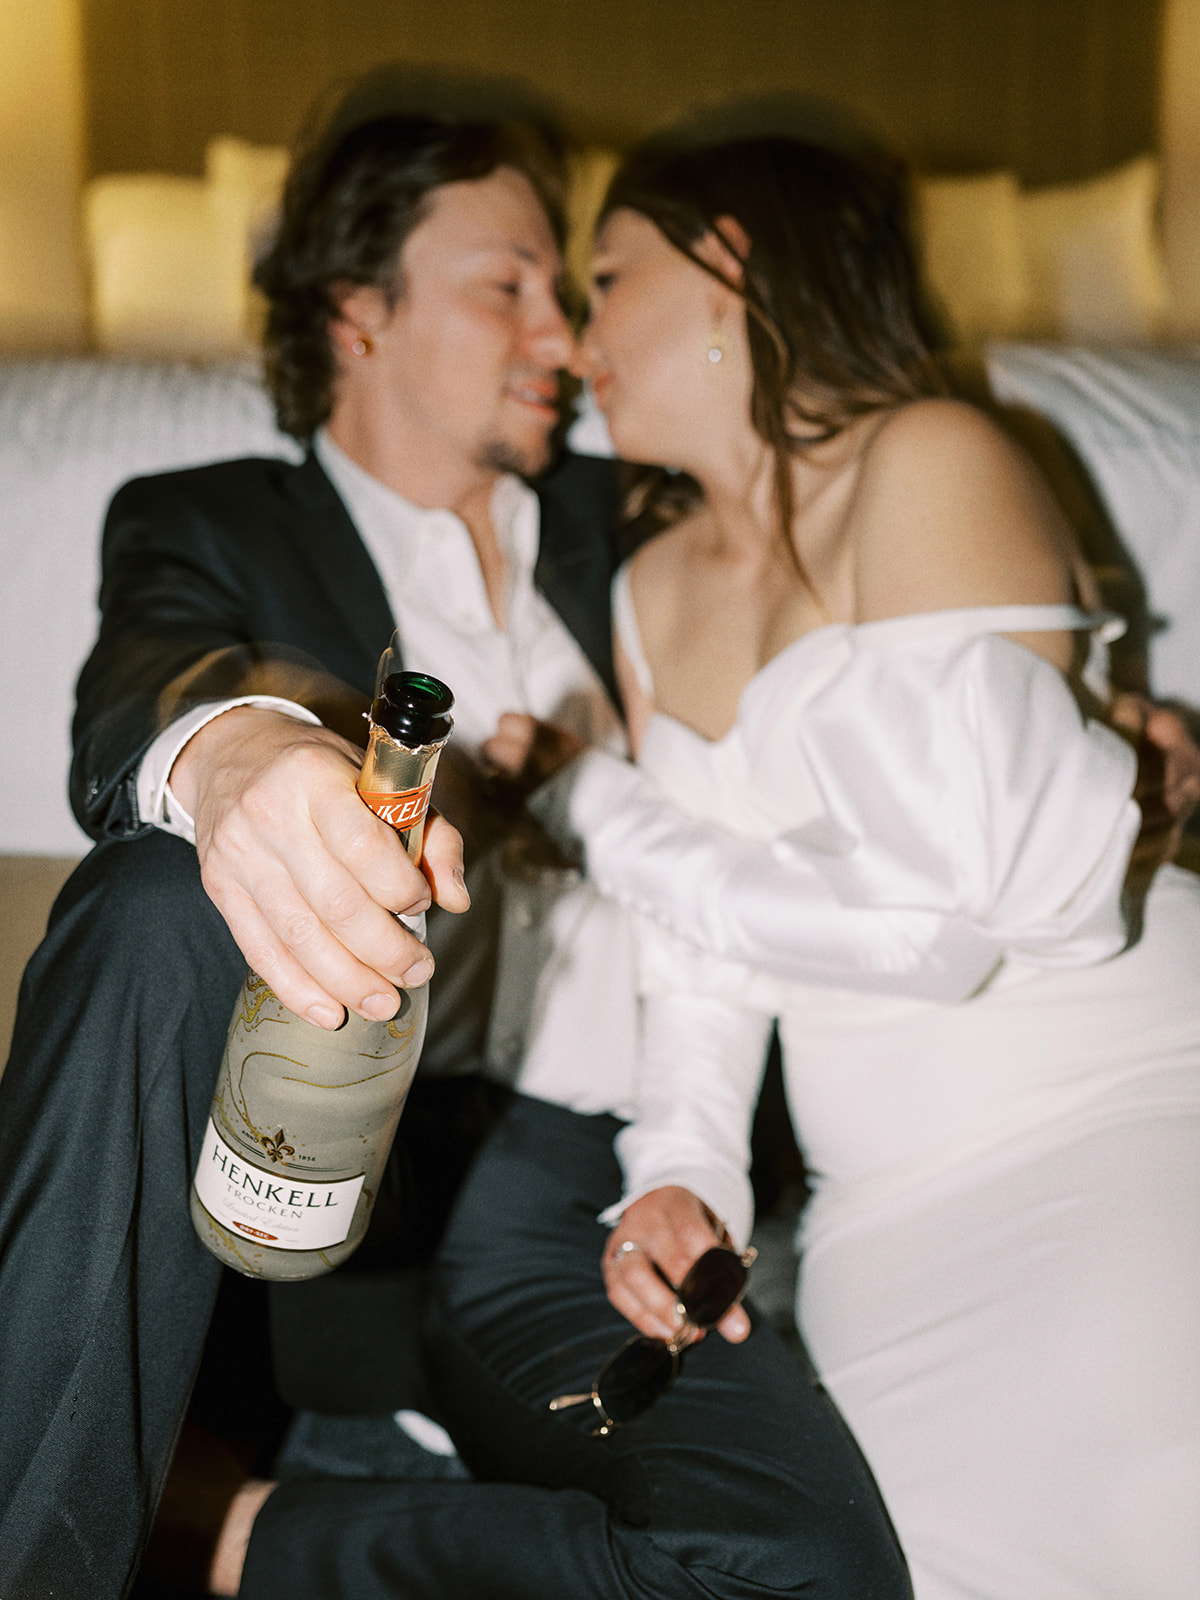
<point x="378" y="510"/>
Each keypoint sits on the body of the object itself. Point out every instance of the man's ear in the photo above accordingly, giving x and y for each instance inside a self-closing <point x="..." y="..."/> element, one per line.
<point x="361" y="315"/>
<point x="726" y="248"/>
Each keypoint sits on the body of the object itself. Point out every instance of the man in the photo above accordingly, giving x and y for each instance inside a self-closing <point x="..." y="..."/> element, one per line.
<point x="415" y="331"/>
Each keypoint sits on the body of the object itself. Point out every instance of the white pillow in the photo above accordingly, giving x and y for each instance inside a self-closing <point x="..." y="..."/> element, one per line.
<point x="257" y="170"/>
<point x="245" y="182"/>
<point x="170" y="257"/>
<point x="973" y="253"/>
<point x="1094" y="263"/>
<point x="1080" y="261"/>
<point x="156" y="254"/>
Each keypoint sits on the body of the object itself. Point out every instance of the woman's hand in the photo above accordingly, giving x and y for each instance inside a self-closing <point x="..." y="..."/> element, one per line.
<point x="657" y="1240"/>
<point x="525" y="752"/>
<point x="1181" y="761"/>
<point x="1168" y="784"/>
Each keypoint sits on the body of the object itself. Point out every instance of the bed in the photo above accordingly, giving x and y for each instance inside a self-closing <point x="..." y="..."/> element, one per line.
<point x="1039" y="198"/>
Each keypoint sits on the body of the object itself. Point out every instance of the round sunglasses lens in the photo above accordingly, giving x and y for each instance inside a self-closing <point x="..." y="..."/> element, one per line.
<point x="638" y="1375"/>
<point x="714" y="1284"/>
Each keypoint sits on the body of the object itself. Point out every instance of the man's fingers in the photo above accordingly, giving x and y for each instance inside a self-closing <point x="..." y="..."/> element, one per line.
<point x="352" y="947"/>
<point x="442" y="862"/>
<point x="307" y="877"/>
<point x="310" y="927"/>
<point x="309" y="968"/>
<point x="264" y="954"/>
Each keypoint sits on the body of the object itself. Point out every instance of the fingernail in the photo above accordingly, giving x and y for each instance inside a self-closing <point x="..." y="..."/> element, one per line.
<point x="420" y="972"/>
<point x="380" y="1006"/>
<point x="461" y="881"/>
<point x="323" y="1016"/>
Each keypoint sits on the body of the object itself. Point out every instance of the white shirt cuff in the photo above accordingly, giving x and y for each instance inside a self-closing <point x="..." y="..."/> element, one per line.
<point x="157" y="805"/>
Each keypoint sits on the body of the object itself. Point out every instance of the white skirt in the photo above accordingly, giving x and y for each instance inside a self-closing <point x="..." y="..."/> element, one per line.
<point x="1000" y="1279"/>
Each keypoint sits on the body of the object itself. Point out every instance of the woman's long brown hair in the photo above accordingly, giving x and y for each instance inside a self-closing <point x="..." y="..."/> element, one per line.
<point x="836" y="315"/>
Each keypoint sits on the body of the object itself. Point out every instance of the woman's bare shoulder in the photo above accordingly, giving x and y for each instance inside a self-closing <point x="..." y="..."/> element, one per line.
<point x="949" y="511"/>
<point x="945" y="447"/>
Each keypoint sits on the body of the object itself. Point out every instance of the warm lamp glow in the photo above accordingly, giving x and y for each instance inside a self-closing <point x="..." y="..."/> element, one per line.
<point x="42" y="299"/>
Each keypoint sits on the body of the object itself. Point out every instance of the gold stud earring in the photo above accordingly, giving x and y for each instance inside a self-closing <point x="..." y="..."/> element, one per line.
<point x="362" y="347"/>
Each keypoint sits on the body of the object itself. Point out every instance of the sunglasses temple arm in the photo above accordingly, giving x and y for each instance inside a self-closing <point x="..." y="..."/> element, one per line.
<point x="565" y="1401"/>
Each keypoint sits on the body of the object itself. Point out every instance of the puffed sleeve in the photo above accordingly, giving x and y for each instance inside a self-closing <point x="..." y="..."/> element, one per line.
<point x="968" y="812"/>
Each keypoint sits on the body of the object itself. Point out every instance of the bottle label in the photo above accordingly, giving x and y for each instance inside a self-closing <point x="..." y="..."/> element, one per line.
<point x="402" y="810"/>
<point x="272" y="1208"/>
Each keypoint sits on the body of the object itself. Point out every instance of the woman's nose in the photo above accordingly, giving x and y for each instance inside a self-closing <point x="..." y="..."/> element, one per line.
<point x="583" y="357"/>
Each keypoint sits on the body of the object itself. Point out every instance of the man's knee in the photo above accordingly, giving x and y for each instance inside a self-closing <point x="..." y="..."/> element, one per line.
<point x="138" y="908"/>
<point x="745" y="1526"/>
<point x="137" y="973"/>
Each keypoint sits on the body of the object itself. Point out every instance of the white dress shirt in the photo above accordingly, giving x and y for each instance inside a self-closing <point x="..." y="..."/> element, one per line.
<point x="535" y="984"/>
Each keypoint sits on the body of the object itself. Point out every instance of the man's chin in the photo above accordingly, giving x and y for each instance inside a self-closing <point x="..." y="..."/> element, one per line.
<point x="525" y="460"/>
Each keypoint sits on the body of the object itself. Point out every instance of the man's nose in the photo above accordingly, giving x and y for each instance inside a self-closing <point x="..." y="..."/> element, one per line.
<point x="552" y="338"/>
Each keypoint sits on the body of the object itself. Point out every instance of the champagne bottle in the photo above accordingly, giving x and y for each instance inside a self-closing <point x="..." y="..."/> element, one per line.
<point x="303" y="1118"/>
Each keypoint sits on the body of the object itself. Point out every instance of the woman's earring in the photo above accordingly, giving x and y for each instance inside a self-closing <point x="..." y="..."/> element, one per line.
<point x="715" y="348"/>
<point x="362" y="347"/>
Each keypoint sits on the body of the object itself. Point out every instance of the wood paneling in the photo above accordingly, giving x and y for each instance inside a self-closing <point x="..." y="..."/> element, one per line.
<point x="1056" y="89"/>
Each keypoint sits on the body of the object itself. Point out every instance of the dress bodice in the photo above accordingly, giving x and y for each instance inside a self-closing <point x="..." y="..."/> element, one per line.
<point x="923" y="761"/>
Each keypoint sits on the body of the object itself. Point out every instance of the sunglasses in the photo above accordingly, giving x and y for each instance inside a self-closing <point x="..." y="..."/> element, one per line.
<point x="644" y="1369"/>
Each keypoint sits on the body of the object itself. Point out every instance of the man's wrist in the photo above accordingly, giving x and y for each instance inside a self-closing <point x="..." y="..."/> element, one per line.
<point x="159" y="802"/>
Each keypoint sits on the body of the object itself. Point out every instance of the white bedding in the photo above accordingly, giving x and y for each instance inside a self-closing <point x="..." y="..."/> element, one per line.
<point x="1133" y="415"/>
<point x="71" y="431"/>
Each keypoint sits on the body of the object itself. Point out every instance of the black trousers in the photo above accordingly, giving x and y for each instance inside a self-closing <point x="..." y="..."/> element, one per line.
<point x="105" y="1293"/>
<point x="106" y="1298"/>
<point x="741" y="1481"/>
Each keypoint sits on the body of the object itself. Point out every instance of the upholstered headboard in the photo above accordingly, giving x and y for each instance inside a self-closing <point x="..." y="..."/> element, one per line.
<point x="1053" y="90"/>
<point x="1033" y="128"/>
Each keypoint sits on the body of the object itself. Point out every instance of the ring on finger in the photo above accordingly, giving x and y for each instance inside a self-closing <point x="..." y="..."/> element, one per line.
<point x="627" y="1247"/>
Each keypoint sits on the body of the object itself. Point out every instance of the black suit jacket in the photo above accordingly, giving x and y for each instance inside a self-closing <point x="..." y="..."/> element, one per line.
<point x="249" y="576"/>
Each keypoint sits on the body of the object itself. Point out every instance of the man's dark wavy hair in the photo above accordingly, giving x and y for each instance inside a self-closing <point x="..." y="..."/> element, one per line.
<point x="358" y="186"/>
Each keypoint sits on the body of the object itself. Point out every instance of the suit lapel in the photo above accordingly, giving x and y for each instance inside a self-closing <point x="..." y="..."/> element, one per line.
<point x="577" y="547"/>
<point x="579" y="502"/>
<point x="328" y="540"/>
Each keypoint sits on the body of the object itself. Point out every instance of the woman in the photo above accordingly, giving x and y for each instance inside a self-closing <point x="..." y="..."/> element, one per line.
<point x="871" y="807"/>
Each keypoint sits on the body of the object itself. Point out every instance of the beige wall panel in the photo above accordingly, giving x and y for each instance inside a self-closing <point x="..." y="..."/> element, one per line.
<point x="1181" y="163"/>
<point x="41" y="264"/>
<point x="1056" y="88"/>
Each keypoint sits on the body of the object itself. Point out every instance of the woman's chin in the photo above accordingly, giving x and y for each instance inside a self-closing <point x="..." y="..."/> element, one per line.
<point x="629" y="441"/>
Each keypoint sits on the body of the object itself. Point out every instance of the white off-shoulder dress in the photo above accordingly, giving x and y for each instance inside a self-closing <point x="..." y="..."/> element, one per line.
<point x="909" y="850"/>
